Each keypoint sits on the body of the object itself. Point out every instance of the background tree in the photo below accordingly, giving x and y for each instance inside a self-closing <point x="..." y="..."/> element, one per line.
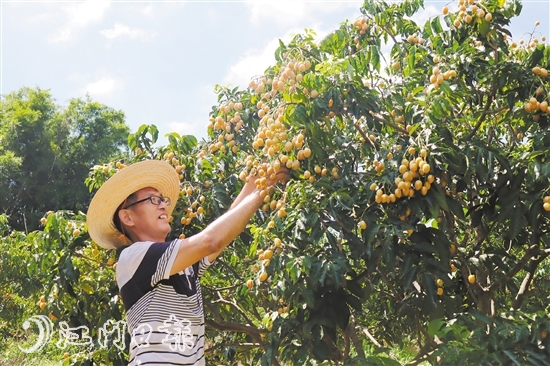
<point x="47" y="150"/>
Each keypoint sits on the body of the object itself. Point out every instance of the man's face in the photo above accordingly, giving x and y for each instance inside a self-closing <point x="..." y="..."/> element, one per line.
<point x="150" y="221"/>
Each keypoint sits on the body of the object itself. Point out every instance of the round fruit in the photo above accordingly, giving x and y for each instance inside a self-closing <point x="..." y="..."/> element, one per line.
<point x="453" y="249"/>
<point x="362" y="225"/>
<point x="440" y="291"/>
<point x="249" y="284"/>
<point x="472" y="278"/>
<point x="263" y="276"/>
<point x="268" y="254"/>
<point x="439" y="282"/>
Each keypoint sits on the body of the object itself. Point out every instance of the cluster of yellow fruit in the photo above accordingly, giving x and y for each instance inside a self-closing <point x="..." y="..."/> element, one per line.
<point x="291" y="74"/>
<point x="467" y="9"/>
<point x="229" y="122"/>
<point x="361" y="24"/>
<point x="193" y="210"/>
<point x="437" y="77"/>
<point x="439" y="282"/>
<point x="170" y="158"/>
<point x="534" y="105"/>
<point x="42" y="302"/>
<point x="409" y="181"/>
<point x="533" y="42"/>
<point x="541" y="71"/>
<point x="415" y="39"/>
<point x="72" y="226"/>
<point x="264" y="256"/>
<point x="546" y="203"/>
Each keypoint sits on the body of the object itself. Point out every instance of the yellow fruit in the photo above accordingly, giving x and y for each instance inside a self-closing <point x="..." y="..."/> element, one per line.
<point x="362" y="225"/>
<point x="42" y="305"/>
<point x="249" y="284"/>
<point x="66" y="355"/>
<point x="263" y="276"/>
<point x="439" y="282"/>
<point x="42" y="298"/>
<point x="43" y="221"/>
<point x="546" y="206"/>
<point x="543" y="334"/>
<point x="314" y="94"/>
<point x="453" y="249"/>
<point x="76" y="232"/>
<point x="488" y="17"/>
<point x="440" y="291"/>
<point x="268" y="254"/>
<point x="546" y="199"/>
<point x="110" y="261"/>
<point x="472" y="278"/>
<point x="445" y="10"/>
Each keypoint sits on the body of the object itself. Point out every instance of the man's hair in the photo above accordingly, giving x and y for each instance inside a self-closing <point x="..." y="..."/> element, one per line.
<point x="116" y="219"/>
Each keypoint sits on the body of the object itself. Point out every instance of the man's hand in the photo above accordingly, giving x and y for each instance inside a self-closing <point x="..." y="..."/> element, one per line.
<point x="283" y="175"/>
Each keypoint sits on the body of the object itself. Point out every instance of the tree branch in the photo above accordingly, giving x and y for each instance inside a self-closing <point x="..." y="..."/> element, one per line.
<point x="532" y="251"/>
<point x="518" y="300"/>
<point x="236" y="327"/>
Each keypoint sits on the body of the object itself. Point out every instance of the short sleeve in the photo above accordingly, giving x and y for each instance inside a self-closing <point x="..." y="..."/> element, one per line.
<point x="142" y="265"/>
<point x="203" y="265"/>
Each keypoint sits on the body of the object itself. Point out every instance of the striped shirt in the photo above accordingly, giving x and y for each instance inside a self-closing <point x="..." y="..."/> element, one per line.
<point x="164" y="313"/>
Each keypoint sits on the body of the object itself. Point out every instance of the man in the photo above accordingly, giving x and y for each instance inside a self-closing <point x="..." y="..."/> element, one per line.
<point x="159" y="280"/>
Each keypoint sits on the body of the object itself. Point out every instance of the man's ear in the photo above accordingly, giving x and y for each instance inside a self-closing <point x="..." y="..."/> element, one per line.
<point x="125" y="218"/>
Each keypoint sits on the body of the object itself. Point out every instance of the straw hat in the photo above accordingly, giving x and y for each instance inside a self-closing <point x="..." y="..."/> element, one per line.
<point x="149" y="173"/>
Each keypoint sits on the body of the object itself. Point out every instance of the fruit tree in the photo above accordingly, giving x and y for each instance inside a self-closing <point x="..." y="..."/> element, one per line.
<point x="418" y="211"/>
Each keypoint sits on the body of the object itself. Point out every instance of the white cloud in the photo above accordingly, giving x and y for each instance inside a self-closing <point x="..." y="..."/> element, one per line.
<point x="196" y="129"/>
<point x="423" y="15"/>
<point x="104" y="87"/>
<point x="120" y="30"/>
<point x="292" y="12"/>
<point x="256" y="61"/>
<point x="79" y="16"/>
<point x="147" y="11"/>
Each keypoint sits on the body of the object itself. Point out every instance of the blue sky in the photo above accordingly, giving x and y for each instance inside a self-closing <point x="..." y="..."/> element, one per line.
<point x="159" y="61"/>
